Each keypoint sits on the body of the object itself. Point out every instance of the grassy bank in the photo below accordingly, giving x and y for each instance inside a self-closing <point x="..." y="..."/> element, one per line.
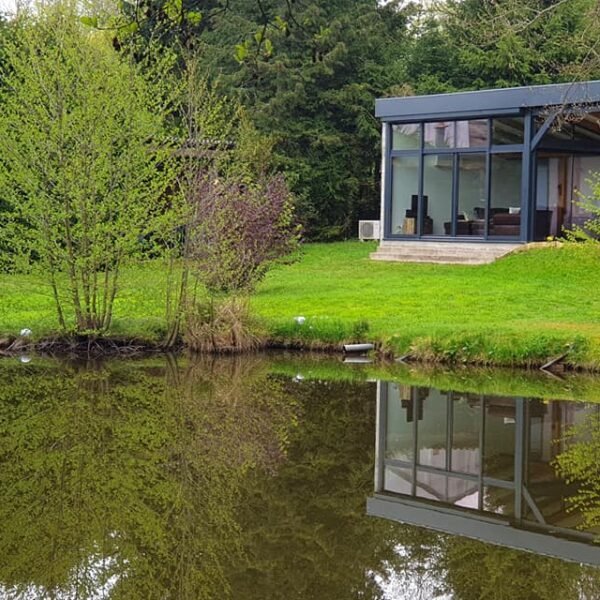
<point x="523" y="309"/>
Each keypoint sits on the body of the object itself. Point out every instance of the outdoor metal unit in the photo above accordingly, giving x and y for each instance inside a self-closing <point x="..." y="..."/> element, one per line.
<point x="368" y="230"/>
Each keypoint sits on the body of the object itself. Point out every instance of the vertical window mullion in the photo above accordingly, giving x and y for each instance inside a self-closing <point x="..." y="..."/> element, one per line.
<point x="420" y="214"/>
<point x="488" y="181"/>
<point x="387" y="180"/>
<point x="454" y="202"/>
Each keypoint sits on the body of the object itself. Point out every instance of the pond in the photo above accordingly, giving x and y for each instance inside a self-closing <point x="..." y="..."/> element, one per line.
<point x="287" y="477"/>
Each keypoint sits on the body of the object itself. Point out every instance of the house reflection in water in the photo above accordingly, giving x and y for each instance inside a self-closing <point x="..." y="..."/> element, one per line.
<point x="479" y="466"/>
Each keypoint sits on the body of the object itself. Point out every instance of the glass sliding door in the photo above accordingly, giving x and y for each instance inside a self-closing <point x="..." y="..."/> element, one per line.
<point x="472" y="195"/>
<point x="405" y="195"/>
<point x="436" y="213"/>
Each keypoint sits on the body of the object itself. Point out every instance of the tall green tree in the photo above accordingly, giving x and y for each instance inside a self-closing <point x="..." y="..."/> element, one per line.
<point x="308" y="74"/>
<point x="84" y="163"/>
<point x="473" y="44"/>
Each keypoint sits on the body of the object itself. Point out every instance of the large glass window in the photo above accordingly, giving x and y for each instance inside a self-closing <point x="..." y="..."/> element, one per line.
<point x="440" y="134"/>
<point x="505" y="201"/>
<point x="405" y="194"/>
<point x="508" y="130"/>
<point x="406" y="136"/>
<point x="472" y="134"/>
<point x="437" y="194"/>
<point x="472" y="195"/>
<point x="470" y="186"/>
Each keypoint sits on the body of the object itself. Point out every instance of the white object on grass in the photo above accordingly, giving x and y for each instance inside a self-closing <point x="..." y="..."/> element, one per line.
<point x="300" y="320"/>
<point x="25" y="332"/>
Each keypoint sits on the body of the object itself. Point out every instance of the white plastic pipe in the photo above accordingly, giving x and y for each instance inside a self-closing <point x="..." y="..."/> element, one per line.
<point x="358" y="347"/>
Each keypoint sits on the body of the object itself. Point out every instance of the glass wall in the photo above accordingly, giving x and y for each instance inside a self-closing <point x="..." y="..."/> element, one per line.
<point x="437" y="194"/>
<point x="462" y="178"/>
<point x="405" y="195"/>
<point x="480" y="452"/>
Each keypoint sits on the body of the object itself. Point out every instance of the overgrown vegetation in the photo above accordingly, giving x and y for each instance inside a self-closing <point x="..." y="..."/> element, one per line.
<point x="84" y="165"/>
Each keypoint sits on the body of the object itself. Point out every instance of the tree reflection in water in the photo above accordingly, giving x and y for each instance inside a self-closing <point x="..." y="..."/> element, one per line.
<point x="580" y="464"/>
<point x="126" y="477"/>
<point x="216" y="479"/>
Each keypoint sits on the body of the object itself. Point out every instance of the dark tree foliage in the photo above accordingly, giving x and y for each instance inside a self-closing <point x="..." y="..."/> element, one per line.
<point x="474" y="44"/>
<point x="308" y="74"/>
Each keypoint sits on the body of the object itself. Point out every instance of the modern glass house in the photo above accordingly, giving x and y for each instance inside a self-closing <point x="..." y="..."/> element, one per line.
<point x="506" y="166"/>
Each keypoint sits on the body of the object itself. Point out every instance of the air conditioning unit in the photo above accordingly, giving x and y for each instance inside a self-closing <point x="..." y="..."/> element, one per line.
<point x="368" y="230"/>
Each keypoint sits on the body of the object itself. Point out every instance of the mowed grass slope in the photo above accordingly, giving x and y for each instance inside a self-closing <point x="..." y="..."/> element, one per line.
<point x="524" y="307"/>
<point x="521" y="309"/>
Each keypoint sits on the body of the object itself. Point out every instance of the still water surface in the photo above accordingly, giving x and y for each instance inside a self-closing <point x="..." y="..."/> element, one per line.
<point x="286" y="478"/>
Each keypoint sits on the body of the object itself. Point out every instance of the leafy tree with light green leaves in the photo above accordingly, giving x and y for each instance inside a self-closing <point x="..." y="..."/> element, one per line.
<point x="579" y="464"/>
<point x="84" y="165"/>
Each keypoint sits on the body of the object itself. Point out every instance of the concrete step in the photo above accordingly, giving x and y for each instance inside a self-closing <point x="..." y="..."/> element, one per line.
<point x="442" y="252"/>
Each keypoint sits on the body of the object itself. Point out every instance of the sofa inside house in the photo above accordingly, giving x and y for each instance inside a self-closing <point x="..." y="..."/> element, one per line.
<point x="505" y="222"/>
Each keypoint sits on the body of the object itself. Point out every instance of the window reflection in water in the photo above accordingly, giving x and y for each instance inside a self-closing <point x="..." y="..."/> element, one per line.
<point x="488" y="453"/>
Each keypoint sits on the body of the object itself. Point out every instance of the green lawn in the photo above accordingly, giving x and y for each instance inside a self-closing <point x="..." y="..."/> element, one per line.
<point x="523" y="308"/>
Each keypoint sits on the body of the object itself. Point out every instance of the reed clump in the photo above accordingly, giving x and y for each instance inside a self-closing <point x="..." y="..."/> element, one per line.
<point x="224" y="325"/>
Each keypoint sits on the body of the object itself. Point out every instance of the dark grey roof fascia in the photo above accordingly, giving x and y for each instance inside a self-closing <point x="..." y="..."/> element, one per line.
<point x="490" y="102"/>
<point x="494" y="531"/>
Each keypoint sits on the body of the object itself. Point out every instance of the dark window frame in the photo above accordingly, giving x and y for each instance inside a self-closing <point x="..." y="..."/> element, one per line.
<point x="489" y="150"/>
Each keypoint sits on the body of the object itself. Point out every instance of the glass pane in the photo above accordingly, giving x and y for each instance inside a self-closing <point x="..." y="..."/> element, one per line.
<point x="471" y="195"/>
<point x="505" y="201"/>
<point x="440" y="135"/>
<point x="406" y="136"/>
<point x="547" y="198"/>
<point x="399" y="435"/>
<point x="405" y="190"/>
<point x="472" y="134"/>
<point x="499" y="442"/>
<point x="432" y="438"/>
<point x="398" y="480"/>
<point x="466" y="425"/>
<point x="508" y="130"/>
<point x="437" y="194"/>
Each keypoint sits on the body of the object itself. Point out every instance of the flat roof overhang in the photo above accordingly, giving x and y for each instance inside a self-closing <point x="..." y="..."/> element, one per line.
<point x="485" y="528"/>
<point x="486" y="102"/>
